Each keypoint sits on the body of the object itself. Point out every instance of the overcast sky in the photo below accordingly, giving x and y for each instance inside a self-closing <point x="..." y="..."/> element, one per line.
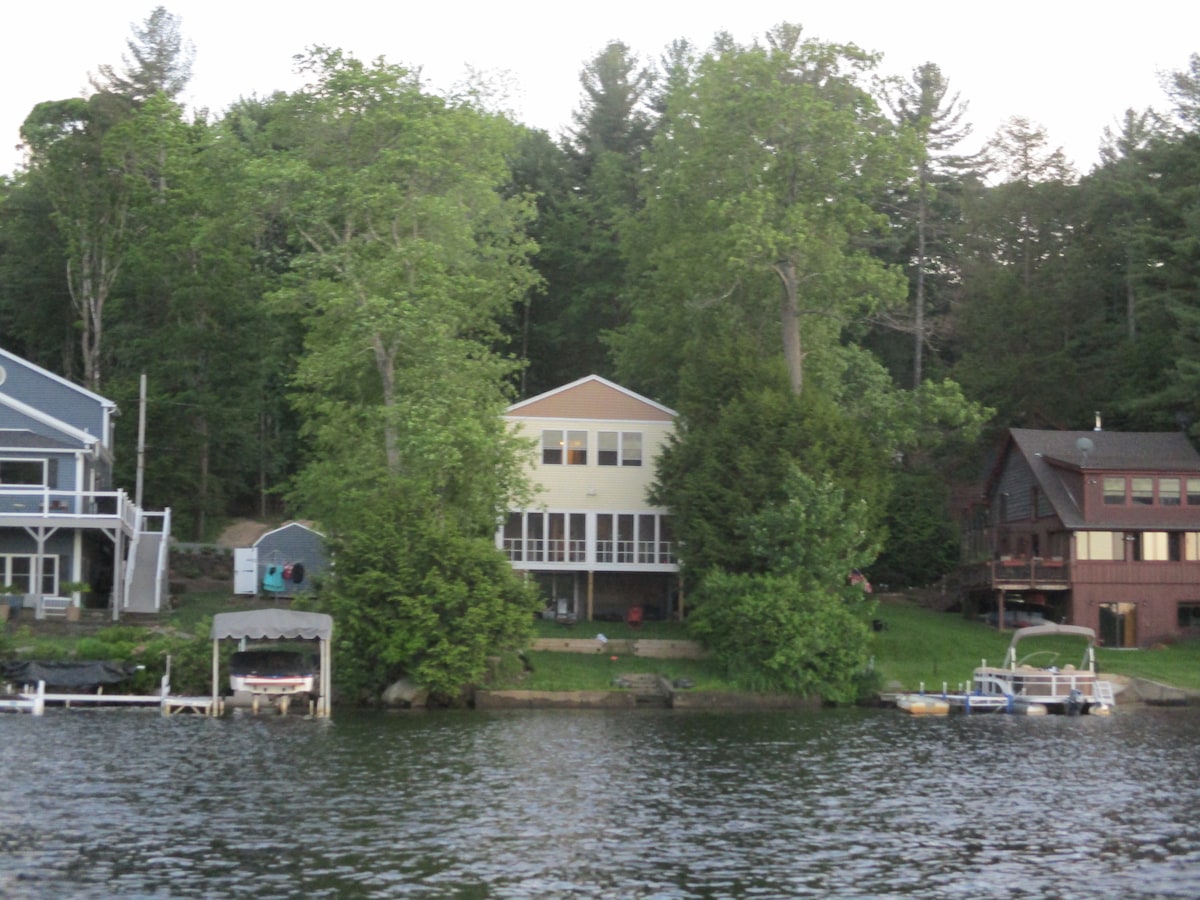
<point x="1072" y="67"/>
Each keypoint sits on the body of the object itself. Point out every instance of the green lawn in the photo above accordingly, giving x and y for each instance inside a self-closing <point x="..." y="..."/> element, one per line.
<point x="916" y="646"/>
<point x="921" y="645"/>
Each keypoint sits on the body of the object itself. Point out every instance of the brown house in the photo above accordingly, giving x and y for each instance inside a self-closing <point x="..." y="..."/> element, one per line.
<point x="1094" y="528"/>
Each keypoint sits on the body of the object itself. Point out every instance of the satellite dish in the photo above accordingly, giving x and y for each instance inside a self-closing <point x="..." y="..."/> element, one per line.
<point x="1085" y="446"/>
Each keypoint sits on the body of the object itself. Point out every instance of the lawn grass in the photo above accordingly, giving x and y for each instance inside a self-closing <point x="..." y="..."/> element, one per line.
<point x="597" y="671"/>
<point x="920" y="645"/>
<point x="916" y="646"/>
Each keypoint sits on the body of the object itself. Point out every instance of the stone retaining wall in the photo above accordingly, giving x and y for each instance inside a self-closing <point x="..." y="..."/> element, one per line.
<point x="650" y="649"/>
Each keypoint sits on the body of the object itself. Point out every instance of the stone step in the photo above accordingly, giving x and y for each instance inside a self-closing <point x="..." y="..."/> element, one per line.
<point x="647" y="688"/>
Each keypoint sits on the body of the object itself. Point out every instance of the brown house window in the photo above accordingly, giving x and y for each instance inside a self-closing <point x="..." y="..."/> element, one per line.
<point x="1142" y="491"/>
<point x="1114" y="491"/>
<point x="1189" y="614"/>
<point x="1168" y="491"/>
<point x="1193" y="492"/>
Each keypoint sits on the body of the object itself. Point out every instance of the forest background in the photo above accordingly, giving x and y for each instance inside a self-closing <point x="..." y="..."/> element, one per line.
<point x="334" y="292"/>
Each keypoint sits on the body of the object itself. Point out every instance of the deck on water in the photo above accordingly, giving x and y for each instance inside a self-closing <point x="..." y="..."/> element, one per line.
<point x="34" y="701"/>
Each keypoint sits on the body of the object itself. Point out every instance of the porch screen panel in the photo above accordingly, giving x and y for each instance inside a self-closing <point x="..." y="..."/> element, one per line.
<point x="625" y="538"/>
<point x="605" y="548"/>
<point x="577" y="548"/>
<point x="513" y="525"/>
<point x="666" y="540"/>
<point x="535" y="538"/>
<point x="645" y="539"/>
<point x="556" y="543"/>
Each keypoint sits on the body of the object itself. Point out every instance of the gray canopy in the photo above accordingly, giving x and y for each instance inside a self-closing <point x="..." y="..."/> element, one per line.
<point x="273" y="624"/>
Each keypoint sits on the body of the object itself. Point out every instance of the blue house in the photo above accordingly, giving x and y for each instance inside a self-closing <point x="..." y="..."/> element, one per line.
<point x="62" y="523"/>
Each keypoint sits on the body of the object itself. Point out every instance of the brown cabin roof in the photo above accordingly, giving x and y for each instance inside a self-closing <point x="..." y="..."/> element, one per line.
<point x="592" y="397"/>
<point x="1049" y="452"/>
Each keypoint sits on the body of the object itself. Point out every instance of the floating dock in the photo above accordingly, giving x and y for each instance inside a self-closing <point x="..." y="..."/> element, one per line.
<point x="33" y="700"/>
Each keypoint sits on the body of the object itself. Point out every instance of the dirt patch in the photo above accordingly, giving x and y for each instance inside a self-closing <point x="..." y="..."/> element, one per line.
<point x="242" y="533"/>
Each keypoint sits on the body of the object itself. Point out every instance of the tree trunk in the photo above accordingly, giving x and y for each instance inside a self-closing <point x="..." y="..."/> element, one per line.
<point x="789" y="317"/>
<point x="385" y="362"/>
<point x="919" y="302"/>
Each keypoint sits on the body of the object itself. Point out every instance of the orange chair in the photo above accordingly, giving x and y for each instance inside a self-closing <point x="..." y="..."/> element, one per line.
<point x="633" y="617"/>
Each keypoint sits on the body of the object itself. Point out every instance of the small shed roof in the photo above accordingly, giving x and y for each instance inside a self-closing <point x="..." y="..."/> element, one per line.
<point x="273" y="624"/>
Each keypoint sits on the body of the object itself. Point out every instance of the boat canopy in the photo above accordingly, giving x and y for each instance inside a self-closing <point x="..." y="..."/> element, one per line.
<point x="1036" y="630"/>
<point x="272" y="624"/>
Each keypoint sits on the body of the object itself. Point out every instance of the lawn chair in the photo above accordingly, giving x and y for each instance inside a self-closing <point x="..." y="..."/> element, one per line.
<point x="633" y="617"/>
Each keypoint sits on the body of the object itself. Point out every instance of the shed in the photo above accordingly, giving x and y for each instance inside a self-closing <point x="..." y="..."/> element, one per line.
<point x="282" y="562"/>
<point x="275" y="625"/>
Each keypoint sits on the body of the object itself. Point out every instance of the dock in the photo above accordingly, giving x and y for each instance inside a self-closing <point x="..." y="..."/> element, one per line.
<point x="33" y="700"/>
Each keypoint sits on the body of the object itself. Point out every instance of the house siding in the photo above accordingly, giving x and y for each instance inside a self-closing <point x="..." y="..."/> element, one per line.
<point x="624" y="556"/>
<point x="1132" y="600"/>
<point x="45" y="391"/>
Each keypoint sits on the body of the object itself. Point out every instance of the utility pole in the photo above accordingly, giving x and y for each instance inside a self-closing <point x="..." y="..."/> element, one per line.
<point x="141" y="442"/>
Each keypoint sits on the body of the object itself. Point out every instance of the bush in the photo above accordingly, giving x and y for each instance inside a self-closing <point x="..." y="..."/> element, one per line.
<point x="772" y="633"/>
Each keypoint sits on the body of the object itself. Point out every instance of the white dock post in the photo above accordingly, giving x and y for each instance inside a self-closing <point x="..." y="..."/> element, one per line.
<point x="39" y="699"/>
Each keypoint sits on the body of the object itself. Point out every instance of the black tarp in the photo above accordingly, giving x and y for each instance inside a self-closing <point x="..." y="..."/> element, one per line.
<point x="77" y="675"/>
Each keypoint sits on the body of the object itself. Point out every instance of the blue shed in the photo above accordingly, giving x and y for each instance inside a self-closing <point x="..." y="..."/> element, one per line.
<point x="282" y="562"/>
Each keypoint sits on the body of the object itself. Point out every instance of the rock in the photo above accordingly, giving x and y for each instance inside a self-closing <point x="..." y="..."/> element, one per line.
<point x="404" y="694"/>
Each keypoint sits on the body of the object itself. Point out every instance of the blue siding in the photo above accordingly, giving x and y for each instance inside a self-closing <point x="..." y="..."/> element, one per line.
<point x="12" y="420"/>
<point x="293" y="543"/>
<point x="41" y="389"/>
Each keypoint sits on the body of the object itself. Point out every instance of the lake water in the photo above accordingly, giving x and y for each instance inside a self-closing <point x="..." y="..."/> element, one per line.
<point x="642" y="804"/>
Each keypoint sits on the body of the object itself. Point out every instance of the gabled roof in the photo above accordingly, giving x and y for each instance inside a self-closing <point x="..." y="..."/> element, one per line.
<point x="48" y="420"/>
<point x="22" y="439"/>
<point x="592" y="397"/>
<point x="12" y="358"/>
<point x="1052" y="454"/>
<point x="1111" y="451"/>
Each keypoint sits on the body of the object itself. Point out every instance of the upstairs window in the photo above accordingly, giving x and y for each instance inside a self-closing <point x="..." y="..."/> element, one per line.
<point x="1114" y="491"/>
<point x="23" y="472"/>
<point x="619" y="448"/>
<point x="1193" y="492"/>
<point x="560" y="447"/>
<point x="1168" y="491"/>
<point x="1142" y="491"/>
<point x="552" y="448"/>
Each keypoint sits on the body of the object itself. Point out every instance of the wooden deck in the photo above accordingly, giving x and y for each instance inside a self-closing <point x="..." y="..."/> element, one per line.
<point x="35" y="701"/>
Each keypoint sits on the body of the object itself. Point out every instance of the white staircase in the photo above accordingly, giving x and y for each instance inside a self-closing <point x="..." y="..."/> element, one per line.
<point x="143" y="589"/>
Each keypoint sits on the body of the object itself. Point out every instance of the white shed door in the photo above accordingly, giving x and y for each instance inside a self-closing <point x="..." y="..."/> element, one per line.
<point x="245" y="570"/>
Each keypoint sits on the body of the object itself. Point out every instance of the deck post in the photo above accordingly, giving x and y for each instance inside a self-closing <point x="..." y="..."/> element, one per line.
<point x="216" y="673"/>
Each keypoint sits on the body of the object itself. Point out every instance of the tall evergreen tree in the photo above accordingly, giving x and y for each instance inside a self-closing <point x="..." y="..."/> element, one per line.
<point x="925" y="108"/>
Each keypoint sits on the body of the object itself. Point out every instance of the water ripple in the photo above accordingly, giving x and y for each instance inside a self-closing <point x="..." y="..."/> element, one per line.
<point x="659" y="805"/>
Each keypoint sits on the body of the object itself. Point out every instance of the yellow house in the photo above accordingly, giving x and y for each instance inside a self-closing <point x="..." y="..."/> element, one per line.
<point x="593" y="541"/>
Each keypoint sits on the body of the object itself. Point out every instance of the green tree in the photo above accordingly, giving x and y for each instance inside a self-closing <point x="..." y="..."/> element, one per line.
<point x="759" y="193"/>
<point x="796" y="623"/>
<point x="410" y="254"/>
<point x="414" y="596"/>
<point x="934" y="118"/>
<point x="159" y="61"/>
<point x="587" y="191"/>
<point x="410" y="249"/>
